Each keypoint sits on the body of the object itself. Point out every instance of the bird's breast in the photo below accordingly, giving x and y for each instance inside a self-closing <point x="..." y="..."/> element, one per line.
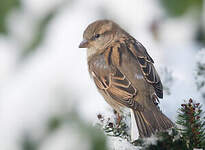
<point x="98" y="65"/>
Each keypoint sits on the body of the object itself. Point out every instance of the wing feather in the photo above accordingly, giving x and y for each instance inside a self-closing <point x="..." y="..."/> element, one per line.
<point x="146" y="64"/>
<point x="119" y="88"/>
<point x="116" y="84"/>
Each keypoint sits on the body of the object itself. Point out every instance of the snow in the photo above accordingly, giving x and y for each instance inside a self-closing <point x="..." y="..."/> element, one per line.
<point x="117" y="143"/>
<point x="29" y="93"/>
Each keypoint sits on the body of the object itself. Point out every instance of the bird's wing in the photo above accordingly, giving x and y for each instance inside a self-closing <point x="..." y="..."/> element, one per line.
<point x="119" y="88"/>
<point x="146" y="64"/>
<point x="114" y="83"/>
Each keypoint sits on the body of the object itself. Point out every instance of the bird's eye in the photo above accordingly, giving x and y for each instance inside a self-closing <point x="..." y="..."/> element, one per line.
<point x="97" y="36"/>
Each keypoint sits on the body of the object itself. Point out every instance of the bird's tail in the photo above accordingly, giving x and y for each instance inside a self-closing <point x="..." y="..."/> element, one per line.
<point x="149" y="122"/>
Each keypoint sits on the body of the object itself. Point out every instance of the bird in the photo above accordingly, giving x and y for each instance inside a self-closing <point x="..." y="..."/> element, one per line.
<point x="125" y="75"/>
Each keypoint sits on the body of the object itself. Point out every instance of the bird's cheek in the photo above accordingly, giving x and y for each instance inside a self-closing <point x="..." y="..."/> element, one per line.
<point x="94" y="44"/>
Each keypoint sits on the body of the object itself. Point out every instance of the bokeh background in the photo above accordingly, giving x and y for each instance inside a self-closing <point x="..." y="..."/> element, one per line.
<point x="47" y="99"/>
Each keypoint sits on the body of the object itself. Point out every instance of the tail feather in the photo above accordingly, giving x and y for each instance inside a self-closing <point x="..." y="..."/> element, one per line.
<point x="149" y="122"/>
<point x="144" y="127"/>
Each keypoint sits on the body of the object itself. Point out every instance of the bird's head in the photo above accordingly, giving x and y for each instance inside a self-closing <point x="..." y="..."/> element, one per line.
<point x="99" y="34"/>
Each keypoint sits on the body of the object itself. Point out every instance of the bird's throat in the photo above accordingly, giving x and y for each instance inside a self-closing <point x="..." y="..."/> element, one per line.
<point x="91" y="52"/>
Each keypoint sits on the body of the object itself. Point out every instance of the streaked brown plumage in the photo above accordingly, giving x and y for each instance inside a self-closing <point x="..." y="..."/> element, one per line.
<point x="125" y="75"/>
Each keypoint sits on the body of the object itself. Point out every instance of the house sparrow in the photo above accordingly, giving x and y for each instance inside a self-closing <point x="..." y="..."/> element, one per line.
<point x="124" y="74"/>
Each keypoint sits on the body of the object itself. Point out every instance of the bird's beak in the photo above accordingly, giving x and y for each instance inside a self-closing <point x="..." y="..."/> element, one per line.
<point x="83" y="44"/>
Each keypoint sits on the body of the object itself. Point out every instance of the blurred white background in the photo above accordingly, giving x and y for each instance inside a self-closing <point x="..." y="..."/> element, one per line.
<point x="43" y="73"/>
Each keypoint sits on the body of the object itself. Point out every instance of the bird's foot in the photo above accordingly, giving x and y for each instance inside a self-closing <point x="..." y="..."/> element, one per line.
<point x="119" y="118"/>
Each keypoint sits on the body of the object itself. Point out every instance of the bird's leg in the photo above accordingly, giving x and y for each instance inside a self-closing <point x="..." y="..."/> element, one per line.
<point x="119" y="118"/>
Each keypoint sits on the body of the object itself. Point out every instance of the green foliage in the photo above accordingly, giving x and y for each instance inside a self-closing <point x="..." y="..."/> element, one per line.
<point x="28" y="143"/>
<point x="114" y="129"/>
<point x="95" y="137"/>
<point x="98" y="141"/>
<point x="167" y="141"/>
<point x="117" y="130"/>
<point x="193" y="126"/>
<point x="54" y="123"/>
<point x="177" y="8"/>
<point x="41" y="28"/>
<point x="5" y="7"/>
<point x="200" y="34"/>
<point x="189" y="135"/>
<point x="200" y="72"/>
<point x="40" y="32"/>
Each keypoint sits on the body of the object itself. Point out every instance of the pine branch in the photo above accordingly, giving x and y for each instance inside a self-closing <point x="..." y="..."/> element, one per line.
<point x="192" y="131"/>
